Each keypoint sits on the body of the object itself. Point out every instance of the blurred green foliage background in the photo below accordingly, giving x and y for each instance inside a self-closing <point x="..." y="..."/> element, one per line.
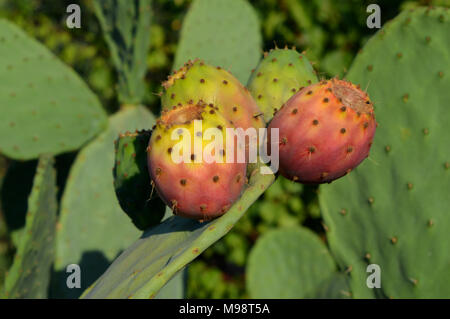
<point x="331" y="32"/>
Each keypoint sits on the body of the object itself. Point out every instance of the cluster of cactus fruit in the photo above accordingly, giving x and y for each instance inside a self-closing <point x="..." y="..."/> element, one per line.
<point x="325" y="130"/>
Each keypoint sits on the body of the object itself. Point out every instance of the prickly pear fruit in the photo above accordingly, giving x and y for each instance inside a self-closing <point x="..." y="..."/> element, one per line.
<point x="190" y="183"/>
<point x="278" y="76"/>
<point x="132" y="183"/>
<point x="199" y="82"/>
<point x="325" y="131"/>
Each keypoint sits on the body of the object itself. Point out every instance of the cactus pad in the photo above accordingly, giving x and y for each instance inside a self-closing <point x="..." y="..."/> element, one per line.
<point x="93" y="229"/>
<point x="126" y="28"/>
<point x="148" y="264"/>
<point x="393" y="210"/>
<point x="292" y="263"/>
<point x="221" y="32"/>
<point x="45" y="107"/>
<point x="29" y="276"/>
<point x="175" y="287"/>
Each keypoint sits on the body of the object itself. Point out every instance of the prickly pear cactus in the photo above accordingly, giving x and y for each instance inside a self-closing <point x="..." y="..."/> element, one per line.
<point x="147" y="265"/>
<point x="221" y="32"/>
<point x="175" y="287"/>
<point x="93" y="229"/>
<point x="45" y="107"/>
<point x="393" y="210"/>
<point x="126" y="28"/>
<point x="278" y="76"/>
<point x="29" y="276"/>
<point x="132" y="182"/>
<point x="293" y="263"/>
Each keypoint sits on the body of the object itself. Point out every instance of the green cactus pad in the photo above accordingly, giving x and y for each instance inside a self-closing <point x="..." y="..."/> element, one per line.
<point x="292" y="263"/>
<point x="132" y="181"/>
<point x="93" y="229"/>
<point x="148" y="264"/>
<point x="175" y="287"/>
<point x="126" y="28"/>
<point x="278" y="76"/>
<point x="221" y="32"/>
<point x="45" y="107"/>
<point x="335" y="287"/>
<point x="29" y="276"/>
<point x="393" y="210"/>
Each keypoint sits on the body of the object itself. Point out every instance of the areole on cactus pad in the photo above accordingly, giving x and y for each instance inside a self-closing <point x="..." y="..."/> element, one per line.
<point x="325" y="131"/>
<point x="190" y="183"/>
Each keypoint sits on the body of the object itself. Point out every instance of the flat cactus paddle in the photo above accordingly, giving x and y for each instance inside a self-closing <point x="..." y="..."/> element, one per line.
<point x="45" y="106"/>
<point x="29" y="276"/>
<point x="147" y="265"/>
<point x="393" y="210"/>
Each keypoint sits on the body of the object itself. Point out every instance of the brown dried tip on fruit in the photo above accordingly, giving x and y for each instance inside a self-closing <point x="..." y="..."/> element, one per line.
<point x="350" y="97"/>
<point x="182" y="115"/>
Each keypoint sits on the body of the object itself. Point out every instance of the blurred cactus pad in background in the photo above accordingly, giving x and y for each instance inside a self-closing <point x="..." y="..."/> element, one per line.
<point x="77" y="106"/>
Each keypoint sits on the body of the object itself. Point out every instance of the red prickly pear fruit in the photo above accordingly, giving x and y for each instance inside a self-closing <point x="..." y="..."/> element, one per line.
<point x="198" y="81"/>
<point x="325" y="131"/>
<point x="187" y="181"/>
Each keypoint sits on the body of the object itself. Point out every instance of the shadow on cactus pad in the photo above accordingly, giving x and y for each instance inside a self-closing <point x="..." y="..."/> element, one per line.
<point x="94" y="260"/>
<point x="17" y="185"/>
